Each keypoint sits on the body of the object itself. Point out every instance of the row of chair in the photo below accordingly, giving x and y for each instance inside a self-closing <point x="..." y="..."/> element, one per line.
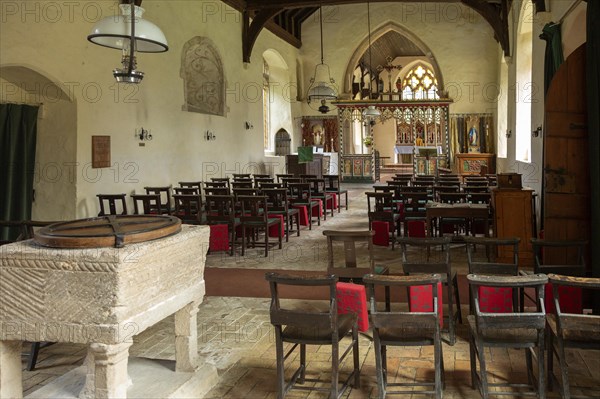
<point x="520" y="327"/>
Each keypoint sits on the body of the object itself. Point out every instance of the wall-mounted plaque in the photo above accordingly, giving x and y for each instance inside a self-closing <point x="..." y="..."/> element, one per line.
<point x="100" y="151"/>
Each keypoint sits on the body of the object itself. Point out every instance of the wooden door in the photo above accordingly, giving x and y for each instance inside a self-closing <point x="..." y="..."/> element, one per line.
<point x="566" y="201"/>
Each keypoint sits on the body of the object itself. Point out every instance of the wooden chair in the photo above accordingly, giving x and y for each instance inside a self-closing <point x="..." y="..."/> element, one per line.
<point x="334" y="185"/>
<point x="186" y="190"/>
<point x="241" y="176"/>
<point x="381" y="208"/>
<point x="300" y="195"/>
<point x="432" y="255"/>
<point x="264" y="185"/>
<point x="345" y="245"/>
<point x="165" y="198"/>
<point x="258" y="181"/>
<point x="220" y="209"/>
<point x="261" y="176"/>
<point x="277" y="199"/>
<point x="150" y="204"/>
<point x="304" y="177"/>
<point x="191" y="184"/>
<point x="216" y="184"/>
<point x="483" y="259"/>
<point x="458" y="224"/>
<point x="317" y="187"/>
<point x="281" y="176"/>
<point x="521" y="330"/>
<point x="188" y="208"/>
<point x="216" y="191"/>
<point x="301" y="327"/>
<point x="397" y="328"/>
<point x="558" y="257"/>
<point x="414" y="210"/>
<point x="255" y="216"/>
<point x="241" y="184"/>
<point x="245" y="191"/>
<point x="112" y="201"/>
<point x="567" y="329"/>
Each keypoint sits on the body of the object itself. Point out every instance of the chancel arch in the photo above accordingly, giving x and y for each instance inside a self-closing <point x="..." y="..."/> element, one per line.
<point x="390" y="32"/>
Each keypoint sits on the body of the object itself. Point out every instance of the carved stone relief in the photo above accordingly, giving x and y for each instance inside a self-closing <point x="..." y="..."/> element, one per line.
<point x="203" y="77"/>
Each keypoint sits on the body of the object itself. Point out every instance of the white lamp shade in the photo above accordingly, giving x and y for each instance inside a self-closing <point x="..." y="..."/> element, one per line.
<point x="371" y="112"/>
<point x="321" y="91"/>
<point x="113" y="32"/>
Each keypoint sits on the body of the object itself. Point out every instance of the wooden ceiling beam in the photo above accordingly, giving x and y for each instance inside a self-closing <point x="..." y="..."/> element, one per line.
<point x="262" y="4"/>
<point x="250" y="31"/>
<point x="497" y="19"/>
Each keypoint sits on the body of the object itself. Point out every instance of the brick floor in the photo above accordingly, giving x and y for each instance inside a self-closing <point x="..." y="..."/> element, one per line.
<point x="235" y="334"/>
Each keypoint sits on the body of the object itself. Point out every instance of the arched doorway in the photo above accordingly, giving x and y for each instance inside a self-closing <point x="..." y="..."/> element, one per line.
<point x="56" y="169"/>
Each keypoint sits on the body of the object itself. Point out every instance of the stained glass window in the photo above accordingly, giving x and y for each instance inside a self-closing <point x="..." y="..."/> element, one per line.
<point x="419" y="84"/>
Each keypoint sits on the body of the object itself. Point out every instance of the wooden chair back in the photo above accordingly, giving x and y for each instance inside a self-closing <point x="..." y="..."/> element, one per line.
<point x="333" y="182"/>
<point x="241" y="176"/>
<point x="245" y="191"/>
<point x="303" y="318"/>
<point x="216" y="191"/>
<point x="559" y="257"/>
<point x="165" y="197"/>
<point x="281" y="176"/>
<point x="191" y="184"/>
<point x="188" y="207"/>
<point x="299" y="192"/>
<point x="514" y="320"/>
<point x="265" y="185"/>
<point x="220" y="209"/>
<point x="426" y="255"/>
<point x="115" y="202"/>
<point x="426" y="321"/>
<point x="150" y="204"/>
<point x="487" y="251"/>
<point x="344" y="246"/>
<point x="241" y="184"/>
<point x="186" y="191"/>
<point x="277" y="198"/>
<point x="254" y="208"/>
<point x="452" y="197"/>
<point x="261" y="180"/>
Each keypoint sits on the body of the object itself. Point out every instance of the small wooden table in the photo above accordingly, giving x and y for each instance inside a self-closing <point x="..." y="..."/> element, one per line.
<point x="461" y="210"/>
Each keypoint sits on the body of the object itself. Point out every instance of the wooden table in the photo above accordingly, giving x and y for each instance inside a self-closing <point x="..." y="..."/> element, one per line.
<point x="467" y="211"/>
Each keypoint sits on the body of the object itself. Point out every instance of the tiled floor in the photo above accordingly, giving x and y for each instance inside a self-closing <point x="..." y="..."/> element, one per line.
<point x="235" y="335"/>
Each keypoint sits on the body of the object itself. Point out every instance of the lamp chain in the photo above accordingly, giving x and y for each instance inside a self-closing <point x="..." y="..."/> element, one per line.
<point x="132" y="38"/>
<point x="370" y="58"/>
<point x="321" y="27"/>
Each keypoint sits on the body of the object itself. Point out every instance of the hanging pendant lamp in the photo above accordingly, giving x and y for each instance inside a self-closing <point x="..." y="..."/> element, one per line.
<point x="321" y="86"/>
<point x="371" y="112"/>
<point x="130" y="33"/>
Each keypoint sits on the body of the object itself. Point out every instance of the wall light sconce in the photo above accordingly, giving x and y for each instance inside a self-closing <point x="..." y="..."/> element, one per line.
<point x="143" y="135"/>
<point x="248" y="125"/>
<point x="537" y="132"/>
<point x="508" y="134"/>
<point x="209" y="136"/>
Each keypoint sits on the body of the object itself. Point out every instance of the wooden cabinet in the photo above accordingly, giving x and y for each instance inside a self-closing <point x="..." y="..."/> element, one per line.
<point x="307" y="168"/>
<point x="513" y="218"/>
<point x="472" y="164"/>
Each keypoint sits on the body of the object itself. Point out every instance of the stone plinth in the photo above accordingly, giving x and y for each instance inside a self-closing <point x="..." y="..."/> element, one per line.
<point x="101" y="297"/>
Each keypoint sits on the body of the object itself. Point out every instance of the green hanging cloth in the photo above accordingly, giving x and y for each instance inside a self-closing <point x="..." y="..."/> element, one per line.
<point x="554" y="54"/>
<point x="305" y="154"/>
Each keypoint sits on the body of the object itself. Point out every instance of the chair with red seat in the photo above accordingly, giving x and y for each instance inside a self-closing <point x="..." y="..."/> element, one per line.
<point x="432" y="255"/>
<point x="255" y="216"/>
<point x="399" y="328"/>
<point x="570" y="328"/>
<point x="302" y="326"/>
<point x="188" y="208"/>
<point x="381" y="208"/>
<point x="513" y="329"/>
<point x="220" y="209"/>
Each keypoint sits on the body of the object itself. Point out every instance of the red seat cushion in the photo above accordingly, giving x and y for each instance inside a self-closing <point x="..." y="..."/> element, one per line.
<point x="569" y="299"/>
<point x="219" y="237"/>
<point x="495" y="299"/>
<point x="303" y="214"/>
<point x="352" y="298"/>
<point x="318" y="211"/>
<point x="382" y="235"/>
<point x="421" y="300"/>
<point x="416" y="228"/>
<point x="273" y="229"/>
<point x="332" y="203"/>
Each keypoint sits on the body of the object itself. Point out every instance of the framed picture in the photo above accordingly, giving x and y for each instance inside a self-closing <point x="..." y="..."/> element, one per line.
<point x="100" y="151"/>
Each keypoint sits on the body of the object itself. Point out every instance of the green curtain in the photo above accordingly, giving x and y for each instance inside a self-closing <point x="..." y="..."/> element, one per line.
<point x="554" y="54"/>
<point x="593" y="103"/>
<point x="18" y="130"/>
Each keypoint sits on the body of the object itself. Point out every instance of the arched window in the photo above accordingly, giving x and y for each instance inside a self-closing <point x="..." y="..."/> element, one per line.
<point x="525" y="89"/>
<point x="419" y="84"/>
<point x="266" y="105"/>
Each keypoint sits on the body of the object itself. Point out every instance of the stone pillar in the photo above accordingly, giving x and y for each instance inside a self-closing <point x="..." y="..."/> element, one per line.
<point x="11" y="379"/>
<point x="186" y="338"/>
<point x="110" y="376"/>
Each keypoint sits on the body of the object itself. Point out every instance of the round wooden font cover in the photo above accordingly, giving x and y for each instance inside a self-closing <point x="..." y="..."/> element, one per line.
<point x="107" y="231"/>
